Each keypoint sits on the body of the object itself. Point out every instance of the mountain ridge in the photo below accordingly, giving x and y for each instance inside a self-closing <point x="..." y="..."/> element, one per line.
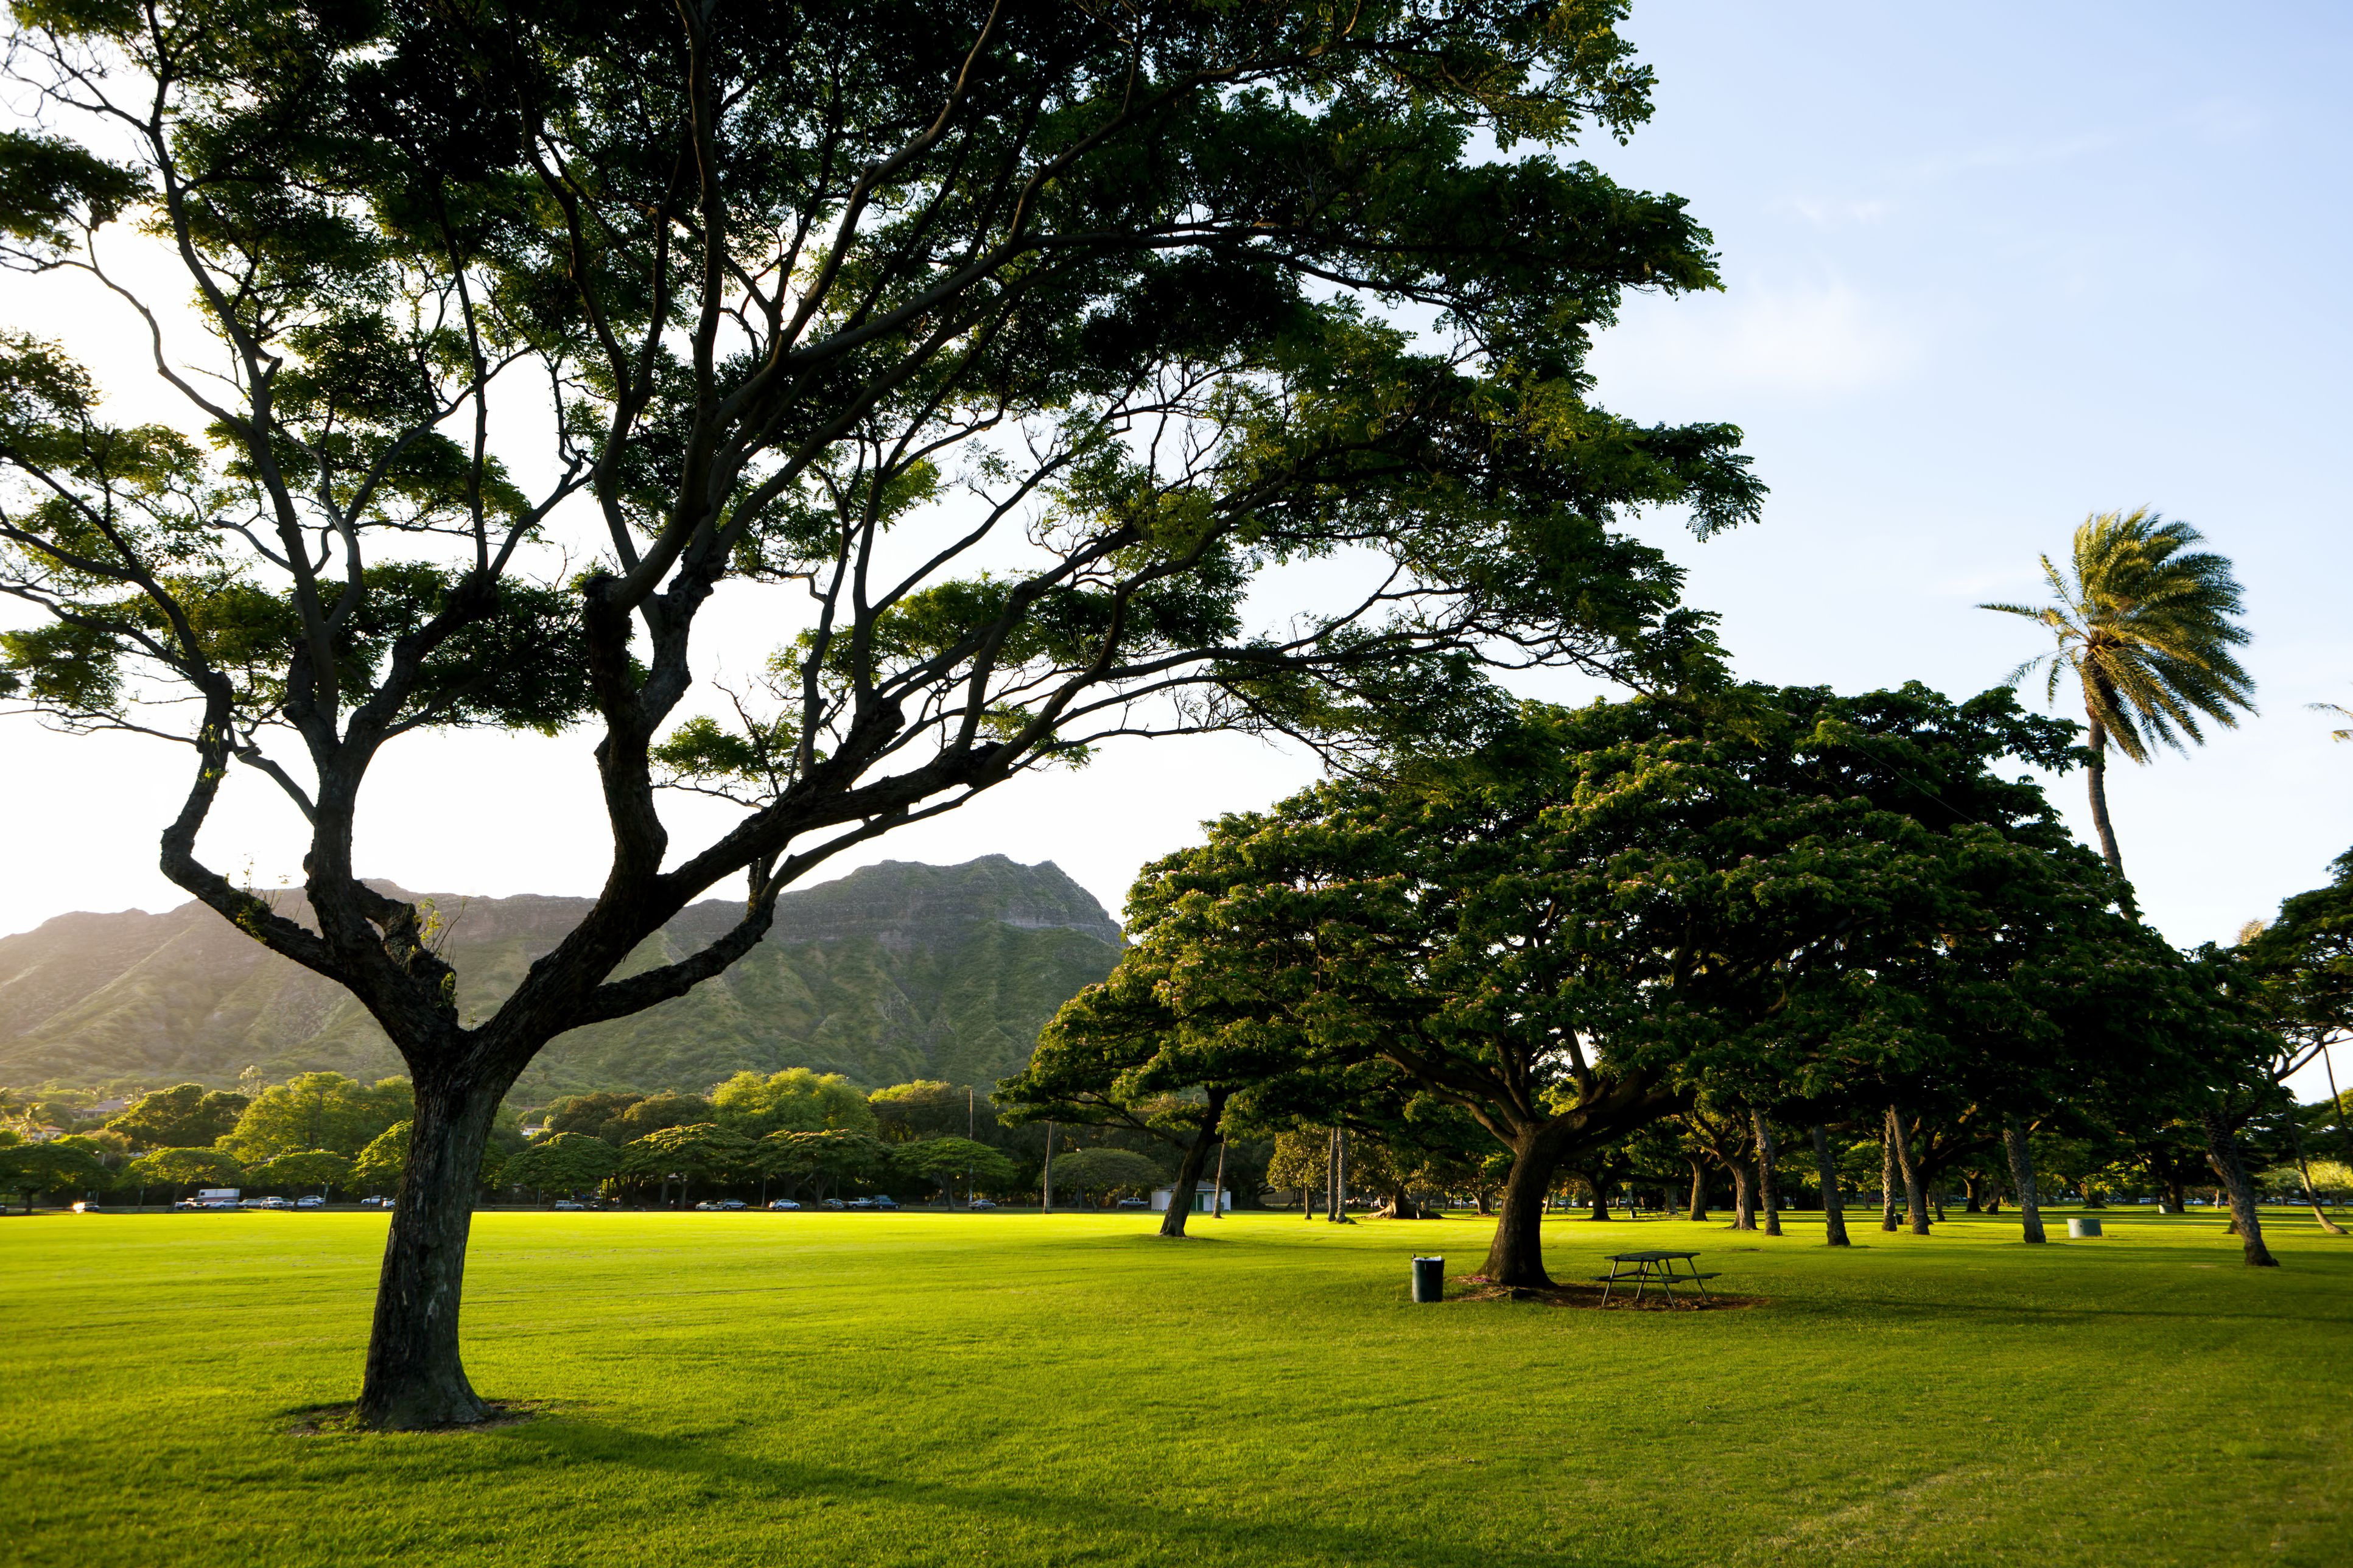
<point x="895" y="971"/>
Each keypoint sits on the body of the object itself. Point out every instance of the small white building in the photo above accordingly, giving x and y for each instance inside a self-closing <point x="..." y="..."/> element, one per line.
<point x="1202" y="1198"/>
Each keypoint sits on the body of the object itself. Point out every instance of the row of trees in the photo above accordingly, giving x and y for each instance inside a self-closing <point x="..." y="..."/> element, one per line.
<point x="1665" y="931"/>
<point x="785" y="1132"/>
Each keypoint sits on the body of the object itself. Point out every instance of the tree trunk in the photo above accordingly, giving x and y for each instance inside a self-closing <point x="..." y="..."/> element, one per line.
<point x="1915" y="1201"/>
<point x="1189" y="1169"/>
<point x="2177" y="1198"/>
<point x="2295" y="1130"/>
<point x="414" y="1377"/>
<point x="1046" y="1176"/>
<point x="1973" y="1201"/>
<point x="1887" y="1220"/>
<point x="1331" y="1175"/>
<point x="2097" y="776"/>
<point x="1339" y="1215"/>
<point x="2022" y="1178"/>
<point x="1833" y="1205"/>
<point x="1767" y="1192"/>
<point x="1593" y="1183"/>
<point x="1515" y="1257"/>
<point x="1744" y="1194"/>
<point x="2222" y="1154"/>
<point x="1698" y="1193"/>
<point x="1218" y="1182"/>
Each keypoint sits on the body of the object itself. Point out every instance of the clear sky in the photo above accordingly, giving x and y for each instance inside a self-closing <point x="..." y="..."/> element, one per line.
<point x="1988" y="270"/>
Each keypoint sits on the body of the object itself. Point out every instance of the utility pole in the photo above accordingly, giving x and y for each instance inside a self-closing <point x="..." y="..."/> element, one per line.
<point x="969" y="1123"/>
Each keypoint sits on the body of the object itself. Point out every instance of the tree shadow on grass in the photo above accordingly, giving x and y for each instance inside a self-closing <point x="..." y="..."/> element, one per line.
<point x="1094" y="1522"/>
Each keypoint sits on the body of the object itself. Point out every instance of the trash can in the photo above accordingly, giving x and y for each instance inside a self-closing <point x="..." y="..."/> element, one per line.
<point x="1429" y="1279"/>
<point x="2081" y="1226"/>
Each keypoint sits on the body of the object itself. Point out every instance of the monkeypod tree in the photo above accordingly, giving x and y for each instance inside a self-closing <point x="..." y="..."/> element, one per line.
<point x="703" y="1150"/>
<point x="184" y="1116"/>
<point x="1118" y="1056"/>
<point x="830" y="1156"/>
<point x="1105" y="1170"/>
<point x="560" y="1162"/>
<point x="188" y="1168"/>
<point x="62" y="1165"/>
<point x="949" y="1162"/>
<point x="319" y="1168"/>
<point x="1581" y="927"/>
<point x="998" y="350"/>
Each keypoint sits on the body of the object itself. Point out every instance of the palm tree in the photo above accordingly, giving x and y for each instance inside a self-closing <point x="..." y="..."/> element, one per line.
<point x="2145" y="623"/>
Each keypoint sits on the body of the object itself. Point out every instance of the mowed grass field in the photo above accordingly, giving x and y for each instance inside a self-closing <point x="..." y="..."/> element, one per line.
<point x="1019" y="1389"/>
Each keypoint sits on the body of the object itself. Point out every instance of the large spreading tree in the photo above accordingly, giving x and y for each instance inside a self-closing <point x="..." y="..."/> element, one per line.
<point x="992" y="355"/>
<point x="1582" y="928"/>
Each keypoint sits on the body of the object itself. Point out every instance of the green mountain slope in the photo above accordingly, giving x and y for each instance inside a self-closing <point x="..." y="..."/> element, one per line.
<point x="895" y="972"/>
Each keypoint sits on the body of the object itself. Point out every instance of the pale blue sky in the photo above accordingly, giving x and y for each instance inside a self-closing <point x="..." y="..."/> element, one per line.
<point x="1987" y="270"/>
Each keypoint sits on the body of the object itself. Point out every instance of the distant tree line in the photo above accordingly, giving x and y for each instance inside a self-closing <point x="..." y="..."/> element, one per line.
<point x="788" y="1135"/>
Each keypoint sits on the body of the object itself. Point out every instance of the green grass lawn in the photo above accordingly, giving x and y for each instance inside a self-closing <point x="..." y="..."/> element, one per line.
<point x="969" y="1390"/>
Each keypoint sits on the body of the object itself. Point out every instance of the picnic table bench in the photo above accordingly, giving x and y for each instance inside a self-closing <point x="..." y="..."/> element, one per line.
<point x="1648" y="1271"/>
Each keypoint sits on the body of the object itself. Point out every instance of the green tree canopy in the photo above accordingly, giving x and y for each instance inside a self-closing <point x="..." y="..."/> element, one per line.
<point x="658" y="1112"/>
<point x="319" y="1168"/>
<point x="317" y="1111"/>
<point x="830" y="1156"/>
<point x="703" y="1148"/>
<point x="181" y="1117"/>
<point x="597" y="1114"/>
<point x="561" y="1162"/>
<point x="379" y="1166"/>
<point x="949" y="1162"/>
<point x="1106" y="1171"/>
<point x="926" y="1108"/>
<point x="1570" y="933"/>
<point x="188" y="1168"/>
<point x="59" y="1165"/>
<point x="794" y="1100"/>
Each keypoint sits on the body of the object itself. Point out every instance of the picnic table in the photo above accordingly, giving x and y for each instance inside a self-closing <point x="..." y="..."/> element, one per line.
<point x="1648" y="1271"/>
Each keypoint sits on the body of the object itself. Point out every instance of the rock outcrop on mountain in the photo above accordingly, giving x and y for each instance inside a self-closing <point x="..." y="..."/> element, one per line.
<point x="895" y="972"/>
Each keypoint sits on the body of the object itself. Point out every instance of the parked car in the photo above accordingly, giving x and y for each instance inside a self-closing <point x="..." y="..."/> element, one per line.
<point x="1132" y="1203"/>
<point x="884" y="1201"/>
<point x="861" y="1202"/>
<point x="722" y="1204"/>
<point x="263" y="1204"/>
<point x="783" y="1203"/>
<point x="568" y="1204"/>
<point x="375" y="1203"/>
<point x="310" y="1201"/>
<point x="980" y="1204"/>
<point x="833" y="1204"/>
